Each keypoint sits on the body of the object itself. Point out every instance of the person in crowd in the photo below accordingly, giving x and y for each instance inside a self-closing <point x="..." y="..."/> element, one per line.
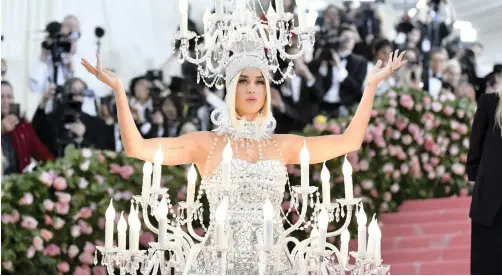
<point x="141" y="102"/>
<point x="19" y="141"/>
<point x="453" y="82"/>
<point x="382" y="48"/>
<point x="342" y="73"/>
<point x="483" y="167"/>
<point x="433" y="73"/>
<point x="167" y="121"/>
<point x="68" y="124"/>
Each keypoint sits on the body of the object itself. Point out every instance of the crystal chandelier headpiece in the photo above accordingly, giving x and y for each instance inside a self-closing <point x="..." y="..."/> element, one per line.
<point x="241" y="39"/>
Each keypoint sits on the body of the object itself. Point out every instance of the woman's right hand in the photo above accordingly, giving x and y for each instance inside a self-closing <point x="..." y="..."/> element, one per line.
<point x="109" y="78"/>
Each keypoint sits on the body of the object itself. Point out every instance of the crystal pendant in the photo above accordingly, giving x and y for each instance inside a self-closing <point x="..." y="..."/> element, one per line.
<point x="220" y="84"/>
<point x="291" y="73"/>
<point x="96" y="257"/>
<point x="181" y="59"/>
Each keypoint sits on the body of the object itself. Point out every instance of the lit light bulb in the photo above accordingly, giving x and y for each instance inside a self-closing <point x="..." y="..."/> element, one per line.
<point x="147" y="168"/>
<point x="347" y="168"/>
<point x="361" y="217"/>
<point x="110" y="212"/>
<point x="158" y="158"/>
<point x="192" y="174"/>
<point x="345" y="236"/>
<point x="122" y="225"/>
<point x="323" y="219"/>
<point x="304" y="154"/>
<point x="325" y="173"/>
<point x="183" y="6"/>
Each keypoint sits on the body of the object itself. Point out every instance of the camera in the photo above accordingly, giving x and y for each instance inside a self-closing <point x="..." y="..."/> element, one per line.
<point x="56" y="42"/>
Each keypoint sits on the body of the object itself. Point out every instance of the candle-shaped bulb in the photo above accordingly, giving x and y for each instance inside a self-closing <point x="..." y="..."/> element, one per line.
<point x="312" y="17"/>
<point x="192" y="174"/>
<point x="271" y="11"/>
<point x="122" y="225"/>
<point x="205" y="17"/>
<point x="361" y="217"/>
<point x="183" y="6"/>
<point x="314" y="233"/>
<point x="147" y="168"/>
<point x="325" y="173"/>
<point x="323" y="219"/>
<point x="300" y="3"/>
<point x="162" y="209"/>
<point x="345" y="236"/>
<point x="377" y="233"/>
<point x="227" y="152"/>
<point x="268" y="210"/>
<point x="304" y="154"/>
<point x="371" y="227"/>
<point x="110" y="212"/>
<point x="221" y="211"/>
<point x="347" y="168"/>
<point x="158" y="158"/>
<point x="133" y="219"/>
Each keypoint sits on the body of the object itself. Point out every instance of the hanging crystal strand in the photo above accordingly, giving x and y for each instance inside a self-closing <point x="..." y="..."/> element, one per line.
<point x="337" y="215"/>
<point x="96" y="257"/>
<point x="343" y="212"/>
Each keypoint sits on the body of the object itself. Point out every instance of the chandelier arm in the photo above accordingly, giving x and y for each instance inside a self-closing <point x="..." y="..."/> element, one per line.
<point x="146" y="218"/>
<point x="110" y="269"/>
<point x="290" y="230"/>
<point x="190" y="258"/>
<point x="294" y="56"/>
<point x="186" y="55"/>
<point x="348" y="217"/>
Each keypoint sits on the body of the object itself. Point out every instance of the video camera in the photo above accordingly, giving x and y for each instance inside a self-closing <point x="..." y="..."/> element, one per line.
<point x="56" y="42"/>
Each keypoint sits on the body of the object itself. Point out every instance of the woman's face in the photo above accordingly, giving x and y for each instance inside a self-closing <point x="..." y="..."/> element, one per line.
<point x="453" y="74"/>
<point x="383" y="54"/>
<point x="7" y="98"/>
<point x="411" y="57"/>
<point x="141" y="89"/>
<point x="251" y="93"/>
<point x="169" y="110"/>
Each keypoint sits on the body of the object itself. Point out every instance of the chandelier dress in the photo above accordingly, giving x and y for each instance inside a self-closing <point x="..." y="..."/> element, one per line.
<point x="257" y="174"/>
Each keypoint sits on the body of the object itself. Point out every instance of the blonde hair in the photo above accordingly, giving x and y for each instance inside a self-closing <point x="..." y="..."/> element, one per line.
<point x="266" y="110"/>
<point x="498" y="112"/>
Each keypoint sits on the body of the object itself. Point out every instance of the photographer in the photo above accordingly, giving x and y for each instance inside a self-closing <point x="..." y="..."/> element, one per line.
<point x="342" y="73"/>
<point x="432" y="75"/>
<point x="382" y="48"/>
<point x="68" y="124"/>
<point x="19" y="140"/>
<point x="167" y="121"/>
<point x="57" y="62"/>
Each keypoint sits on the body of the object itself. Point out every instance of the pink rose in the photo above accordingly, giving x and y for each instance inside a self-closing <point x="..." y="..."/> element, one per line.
<point x="388" y="168"/>
<point x="390" y="115"/>
<point x="372" y="153"/>
<point x="100" y="179"/>
<point x="60" y="183"/>
<point x="52" y="250"/>
<point x="394" y="188"/>
<point x="446" y="177"/>
<point x="426" y="100"/>
<point x="374" y="113"/>
<point x="357" y="190"/>
<point x="436" y="106"/>
<point x="406" y="139"/>
<point x="7" y="265"/>
<point x="83" y="183"/>
<point x="63" y="267"/>
<point x="448" y="110"/>
<point x="85" y="212"/>
<point x="29" y="222"/>
<point x="368" y="137"/>
<point x="374" y="193"/>
<point x="387" y="196"/>
<point x="101" y="158"/>
<point x="6" y="218"/>
<point x="431" y="175"/>
<point x="401" y="124"/>
<point x="367" y="184"/>
<point x="85" y="258"/>
<point x="447" y="189"/>
<point x="334" y="128"/>
<point x="455" y="136"/>
<point x="75" y="231"/>
<point x="463" y="158"/>
<point x="406" y="101"/>
<point x="404" y="168"/>
<point x="85" y="227"/>
<point x="99" y="270"/>
<point x="48" y="205"/>
<point x="428" y="167"/>
<point x="31" y="252"/>
<point x="89" y="247"/>
<point x="101" y="223"/>
<point x="46" y="234"/>
<point x="58" y="223"/>
<point x="62" y="208"/>
<point x="27" y="199"/>
<point x="146" y="238"/>
<point x="458" y="169"/>
<point x="47" y="178"/>
<point x="82" y="270"/>
<point x="63" y="197"/>
<point x="364" y="165"/>
<point x="414" y="129"/>
<point x="464" y="192"/>
<point x="396" y="174"/>
<point x="434" y="161"/>
<point x="429" y="144"/>
<point x="402" y="155"/>
<point x="418" y="107"/>
<point x="73" y="251"/>
<point x="38" y="243"/>
<point x="320" y="126"/>
<point x="384" y="207"/>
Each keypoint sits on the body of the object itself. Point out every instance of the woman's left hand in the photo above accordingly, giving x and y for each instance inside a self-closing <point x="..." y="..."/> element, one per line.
<point x="378" y="73"/>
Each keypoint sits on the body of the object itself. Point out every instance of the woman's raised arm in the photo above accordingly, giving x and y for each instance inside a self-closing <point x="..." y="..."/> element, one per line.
<point x="186" y="149"/>
<point x="322" y="148"/>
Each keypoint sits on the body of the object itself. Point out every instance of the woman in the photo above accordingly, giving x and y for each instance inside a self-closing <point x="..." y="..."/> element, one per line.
<point x="259" y="157"/>
<point x="484" y="167"/>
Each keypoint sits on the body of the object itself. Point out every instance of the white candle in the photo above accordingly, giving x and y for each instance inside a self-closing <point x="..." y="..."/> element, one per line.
<point x="221" y="213"/>
<point x="301" y="13"/>
<point x="347" y="177"/>
<point x="344" y="250"/>
<point x="304" y="161"/>
<point x="361" y="230"/>
<point x="109" y="225"/>
<point x="323" y="229"/>
<point x="121" y="229"/>
<point x="192" y="178"/>
<point x="219" y="7"/>
<point x="157" y="168"/>
<point x="134" y="228"/>
<point x="378" y="243"/>
<point x="326" y="197"/>
<point x="268" y="231"/>
<point x="279" y="6"/>
<point x="183" y="6"/>
<point x="147" y="180"/>
<point x="226" y="166"/>
<point x="371" y="237"/>
<point x="161" y="216"/>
